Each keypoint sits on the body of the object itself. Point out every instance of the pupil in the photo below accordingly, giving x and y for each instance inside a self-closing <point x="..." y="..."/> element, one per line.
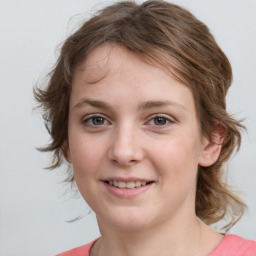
<point x="98" y="120"/>
<point x="160" y="121"/>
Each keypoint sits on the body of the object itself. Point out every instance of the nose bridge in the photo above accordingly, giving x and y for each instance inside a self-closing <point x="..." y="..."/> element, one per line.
<point x="125" y="147"/>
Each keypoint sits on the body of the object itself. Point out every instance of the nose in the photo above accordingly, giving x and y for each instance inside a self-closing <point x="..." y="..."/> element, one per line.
<point x="126" y="149"/>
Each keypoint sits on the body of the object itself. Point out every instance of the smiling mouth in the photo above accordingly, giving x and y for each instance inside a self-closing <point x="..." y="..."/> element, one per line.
<point x="129" y="184"/>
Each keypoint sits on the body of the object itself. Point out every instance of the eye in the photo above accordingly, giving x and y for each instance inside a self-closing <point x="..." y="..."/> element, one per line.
<point x="160" y="120"/>
<point x="95" y="121"/>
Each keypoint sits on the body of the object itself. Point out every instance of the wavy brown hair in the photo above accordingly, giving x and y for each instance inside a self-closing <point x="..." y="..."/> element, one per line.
<point x="170" y="37"/>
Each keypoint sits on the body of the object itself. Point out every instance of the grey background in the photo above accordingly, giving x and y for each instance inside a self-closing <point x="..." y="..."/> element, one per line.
<point x="34" y="208"/>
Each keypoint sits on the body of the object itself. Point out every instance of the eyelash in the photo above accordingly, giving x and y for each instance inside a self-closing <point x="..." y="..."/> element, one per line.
<point x="88" y="121"/>
<point x="168" y="120"/>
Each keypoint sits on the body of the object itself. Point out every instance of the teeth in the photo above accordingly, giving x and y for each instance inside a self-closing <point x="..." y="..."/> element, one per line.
<point x="130" y="184"/>
<point x="137" y="183"/>
<point x="121" y="184"/>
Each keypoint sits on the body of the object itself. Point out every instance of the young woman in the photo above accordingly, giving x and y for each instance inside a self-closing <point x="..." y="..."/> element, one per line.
<point x="136" y="105"/>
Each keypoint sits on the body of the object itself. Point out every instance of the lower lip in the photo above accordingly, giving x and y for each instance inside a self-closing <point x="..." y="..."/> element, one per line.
<point x="127" y="192"/>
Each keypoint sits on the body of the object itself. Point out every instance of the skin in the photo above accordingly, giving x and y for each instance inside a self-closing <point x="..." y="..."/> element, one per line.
<point x="128" y="119"/>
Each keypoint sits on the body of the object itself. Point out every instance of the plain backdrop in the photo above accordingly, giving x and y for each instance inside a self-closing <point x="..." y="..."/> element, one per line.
<point x="34" y="209"/>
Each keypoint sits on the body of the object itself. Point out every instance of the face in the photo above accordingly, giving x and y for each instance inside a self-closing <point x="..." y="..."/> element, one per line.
<point x="134" y="140"/>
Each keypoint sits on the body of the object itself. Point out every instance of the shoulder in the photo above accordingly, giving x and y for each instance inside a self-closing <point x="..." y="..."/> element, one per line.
<point x="235" y="246"/>
<point x="79" y="251"/>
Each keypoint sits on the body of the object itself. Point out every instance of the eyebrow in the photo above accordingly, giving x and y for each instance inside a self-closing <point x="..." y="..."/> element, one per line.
<point x="159" y="103"/>
<point x="94" y="103"/>
<point x="142" y="106"/>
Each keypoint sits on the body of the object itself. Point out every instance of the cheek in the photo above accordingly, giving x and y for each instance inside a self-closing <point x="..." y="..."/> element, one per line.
<point x="86" y="155"/>
<point x="176" y="159"/>
<point x="86" y="164"/>
<point x="179" y="149"/>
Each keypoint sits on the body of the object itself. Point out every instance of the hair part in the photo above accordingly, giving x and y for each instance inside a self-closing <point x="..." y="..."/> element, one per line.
<point x="170" y="37"/>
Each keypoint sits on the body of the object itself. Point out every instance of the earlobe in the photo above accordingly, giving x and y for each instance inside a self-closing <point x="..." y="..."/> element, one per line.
<point x="66" y="151"/>
<point x="212" y="147"/>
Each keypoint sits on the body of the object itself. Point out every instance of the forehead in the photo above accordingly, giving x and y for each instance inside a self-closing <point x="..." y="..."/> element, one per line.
<point x="109" y="58"/>
<point x="112" y="71"/>
<point x="101" y="62"/>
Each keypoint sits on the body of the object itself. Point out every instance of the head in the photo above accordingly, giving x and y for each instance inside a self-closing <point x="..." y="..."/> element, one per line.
<point x="166" y="36"/>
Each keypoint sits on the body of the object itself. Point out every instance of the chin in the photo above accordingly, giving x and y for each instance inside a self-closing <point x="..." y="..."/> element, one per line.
<point x="128" y="220"/>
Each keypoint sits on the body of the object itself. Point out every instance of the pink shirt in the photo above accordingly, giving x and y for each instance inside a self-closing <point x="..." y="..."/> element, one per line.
<point x="231" y="245"/>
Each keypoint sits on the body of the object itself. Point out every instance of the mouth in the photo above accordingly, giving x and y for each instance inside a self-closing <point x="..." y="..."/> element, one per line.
<point x="129" y="184"/>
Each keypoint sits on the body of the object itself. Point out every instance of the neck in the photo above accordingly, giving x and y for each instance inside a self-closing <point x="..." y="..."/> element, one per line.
<point x="191" y="237"/>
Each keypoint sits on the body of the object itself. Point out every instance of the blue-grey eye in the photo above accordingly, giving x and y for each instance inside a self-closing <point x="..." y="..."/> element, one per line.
<point x="98" y="120"/>
<point x="160" y="120"/>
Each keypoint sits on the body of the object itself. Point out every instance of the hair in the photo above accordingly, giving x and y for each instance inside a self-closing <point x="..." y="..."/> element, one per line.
<point x="170" y="37"/>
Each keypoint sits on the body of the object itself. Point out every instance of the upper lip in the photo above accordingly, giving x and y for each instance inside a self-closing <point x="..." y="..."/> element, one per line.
<point x="127" y="179"/>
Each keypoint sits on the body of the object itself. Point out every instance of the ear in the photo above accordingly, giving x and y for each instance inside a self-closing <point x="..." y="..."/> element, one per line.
<point x="211" y="148"/>
<point x="66" y="151"/>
